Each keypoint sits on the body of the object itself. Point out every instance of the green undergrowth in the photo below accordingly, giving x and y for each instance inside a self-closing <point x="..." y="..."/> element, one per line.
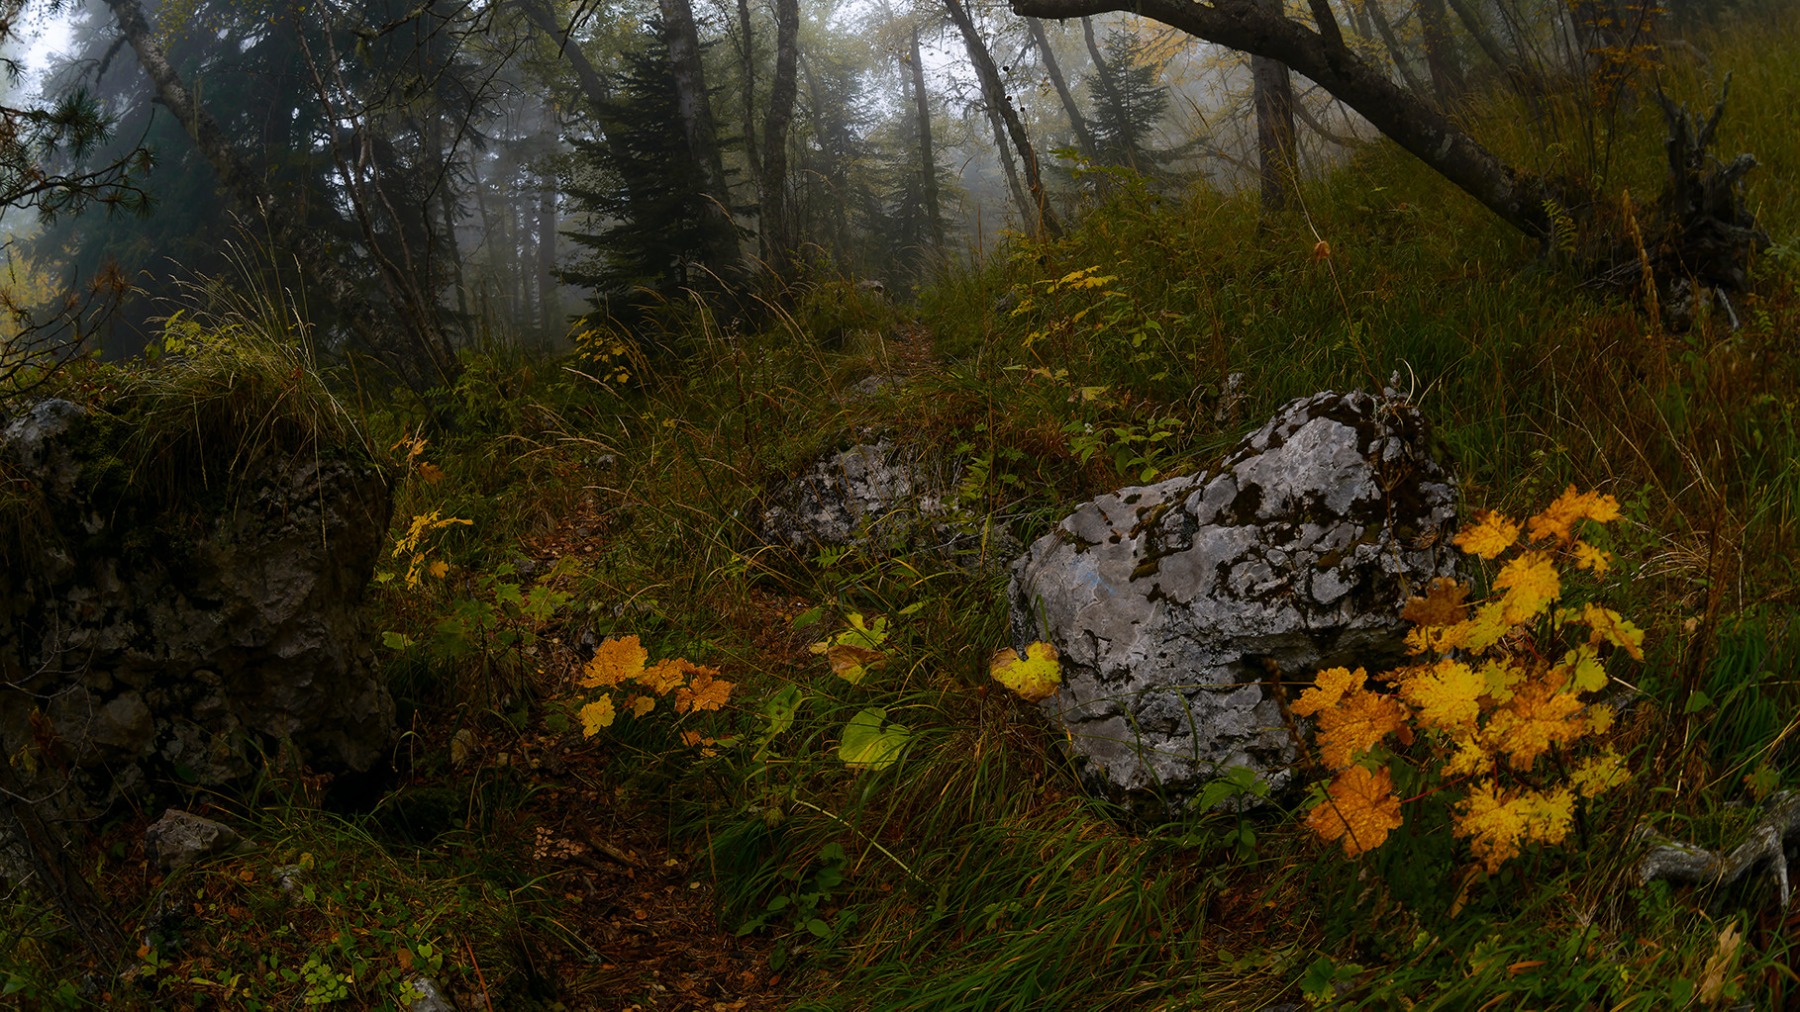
<point x="951" y="860"/>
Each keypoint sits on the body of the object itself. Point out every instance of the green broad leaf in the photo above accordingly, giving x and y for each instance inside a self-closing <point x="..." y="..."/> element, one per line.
<point x="780" y="708"/>
<point x="1696" y="702"/>
<point x="870" y="742"/>
<point x="810" y="616"/>
<point x="819" y="928"/>
<point x="396" y="641"/>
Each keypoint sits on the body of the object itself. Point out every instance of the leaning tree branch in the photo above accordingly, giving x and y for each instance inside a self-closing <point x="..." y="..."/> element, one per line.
<point x="1684" y="862"/>
<point x="1402" y="116"/>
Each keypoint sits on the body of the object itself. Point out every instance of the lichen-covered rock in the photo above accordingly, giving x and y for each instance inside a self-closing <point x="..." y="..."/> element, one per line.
<point x="180" y="838"/>
<point x="175" y="629"/>
<point x="880" y="494"/>
<point x="1170" y="604"/>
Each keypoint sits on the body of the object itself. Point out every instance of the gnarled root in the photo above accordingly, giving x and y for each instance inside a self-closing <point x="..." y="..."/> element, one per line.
<point x="1683" y="862"/>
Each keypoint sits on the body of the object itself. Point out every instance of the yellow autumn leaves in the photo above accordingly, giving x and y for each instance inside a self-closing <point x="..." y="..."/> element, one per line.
<point x="622" y="664"/>
<point x="1487" y="692"/>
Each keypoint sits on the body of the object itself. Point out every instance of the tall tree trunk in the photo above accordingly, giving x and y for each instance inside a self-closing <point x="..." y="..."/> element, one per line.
<point x="1484" y="39"/>
<point x="1441" y="57"/>
<point x="778" y="232"/>
<point x="1402" y="116"/>
<point x="1038" y="216"/>
<point x="1396" y="51"/>
<point x="550" y="313"/>
<point x="415" y="352"/>
<point x="447" y="207"/>
<point x="927" y="158"/>
<point x="747" y="66"/>
<point x="1277" y="159"/>
<point x="1084" y="139"/>
<point x="697" y="125"/>
<point x="1004" y="150"/>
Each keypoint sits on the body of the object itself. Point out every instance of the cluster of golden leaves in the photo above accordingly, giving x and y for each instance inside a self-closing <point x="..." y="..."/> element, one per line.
<point x="1483" y="694"/>
<point x="622" y="664"/>
<point x="415" y="548"/>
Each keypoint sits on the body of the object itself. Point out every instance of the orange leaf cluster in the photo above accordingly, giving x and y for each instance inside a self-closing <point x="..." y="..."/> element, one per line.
<point x="1482" y="690"/>
<point x="623" y="659"/>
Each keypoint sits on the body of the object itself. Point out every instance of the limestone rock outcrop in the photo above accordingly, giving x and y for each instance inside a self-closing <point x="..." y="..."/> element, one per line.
<point x="173" y="629"/>
<point x="1171" y="604"/>
<point x="881" y="492"/>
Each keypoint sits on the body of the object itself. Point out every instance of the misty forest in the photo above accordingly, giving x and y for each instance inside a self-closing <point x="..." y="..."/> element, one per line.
<point x="708" y="505"/>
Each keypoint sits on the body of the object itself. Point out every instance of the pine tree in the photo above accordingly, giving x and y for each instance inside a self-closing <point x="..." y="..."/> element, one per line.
<point x="1128" y="101"/>
<point x="643" y="196"/>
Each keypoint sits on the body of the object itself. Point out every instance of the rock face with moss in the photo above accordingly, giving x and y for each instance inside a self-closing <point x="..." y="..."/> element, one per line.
<point x="1172" y="605"/>
<point x="174" y="604"/>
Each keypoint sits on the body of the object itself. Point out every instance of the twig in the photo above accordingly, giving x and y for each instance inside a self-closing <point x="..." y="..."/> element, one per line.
<point x="1685" y="862"/>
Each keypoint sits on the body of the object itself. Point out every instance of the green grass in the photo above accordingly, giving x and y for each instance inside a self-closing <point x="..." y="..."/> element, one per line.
<point x="974" y="873"/>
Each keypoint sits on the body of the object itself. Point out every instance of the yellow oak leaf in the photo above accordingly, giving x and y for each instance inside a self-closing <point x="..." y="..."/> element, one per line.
<point x="1600" y="718"/>
<point x="1499" y="675"/>
<point x="1599" y="773"/>
<point x="1360" y="808"/>
<point x="1328" y="687"/>
<point x="439" y="569"/>
<point x="1590" y="558"/>
<point x="596" y="715"/>
<point x="1471" y="757"/>
<point x="1582" y="667"/>
<point x="1535" y="718"/>
<point x="664" y="675"/>
<point x="1498" y="823"/>
<point x="1034" y="677"/>
<point x="1531" y="583"/>
<point x="640" y="705"/>
<point x="614" y="661"/>
<point x="1721" y="966"/>
<point x="1446" y="694"/>
<point x="706" y="691"/>
<point x="1559" y="518"/>
<point x="1609" y="627"/>
<point x="851" y="662"/>
<point x="1491" y="534"/>
<point x="1443" y="604"/>
<point x="1493" y="826"/>
<point x="1357" y="724"/>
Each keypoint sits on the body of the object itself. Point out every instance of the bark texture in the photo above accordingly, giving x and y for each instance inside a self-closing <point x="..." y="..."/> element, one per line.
<point x="927" y="157"/>
<point x="1402" y="116"/>
<point x="993" y="91"/>
<point x="698" y="127"/>
<point x="1084" y="138"/>
<point x="778" y="232"/>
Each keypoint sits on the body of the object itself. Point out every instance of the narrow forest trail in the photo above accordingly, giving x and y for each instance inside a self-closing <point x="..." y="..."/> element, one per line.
<point x="644" y="928"/>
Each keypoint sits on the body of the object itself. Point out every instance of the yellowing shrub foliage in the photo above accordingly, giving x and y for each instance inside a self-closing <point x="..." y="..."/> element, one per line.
<point x="621" y="664"/>
<point x="1495" y="687"/>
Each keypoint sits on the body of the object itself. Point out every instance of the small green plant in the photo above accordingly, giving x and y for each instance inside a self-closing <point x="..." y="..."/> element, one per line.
<point x="806" y="905"/>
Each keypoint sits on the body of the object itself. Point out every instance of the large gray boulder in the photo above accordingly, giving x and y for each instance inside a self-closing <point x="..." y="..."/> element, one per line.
<point x="1170" y="604"/>
<point x="174" y="618"/>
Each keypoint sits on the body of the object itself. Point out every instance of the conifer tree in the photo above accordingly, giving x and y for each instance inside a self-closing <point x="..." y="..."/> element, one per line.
<point x="1128" y="101"/>
<point x="651" y="218"/>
